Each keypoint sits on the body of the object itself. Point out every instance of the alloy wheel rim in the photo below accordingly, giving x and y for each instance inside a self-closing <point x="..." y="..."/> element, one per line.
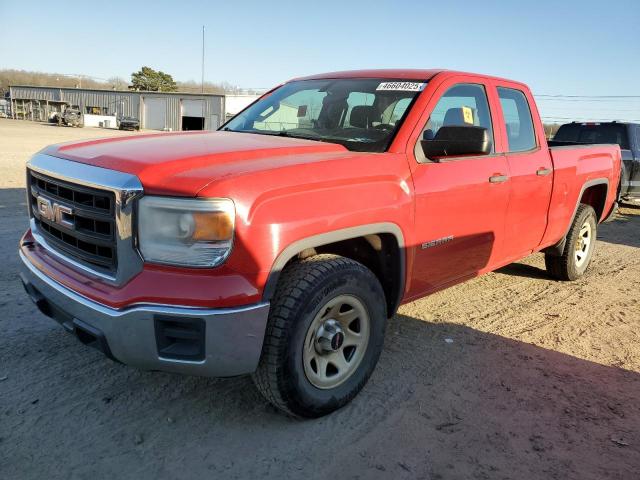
<point x="583" y="244"/>
<point x="336" y="342"/>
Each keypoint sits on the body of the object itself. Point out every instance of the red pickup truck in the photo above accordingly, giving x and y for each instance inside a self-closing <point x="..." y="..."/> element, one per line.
<point x="280" y="245"/>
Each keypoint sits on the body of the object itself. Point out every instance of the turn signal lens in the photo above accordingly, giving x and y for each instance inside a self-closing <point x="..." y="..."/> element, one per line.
<point x="212" y="227"/>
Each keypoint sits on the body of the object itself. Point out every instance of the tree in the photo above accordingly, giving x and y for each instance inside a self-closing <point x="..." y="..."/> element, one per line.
<point x="117" y="83"/>
<point x="153" y="81"/>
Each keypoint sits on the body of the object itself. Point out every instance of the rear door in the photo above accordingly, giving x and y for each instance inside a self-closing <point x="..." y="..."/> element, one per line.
<point x="460" y="202"/>
<point x="530" y="173"/>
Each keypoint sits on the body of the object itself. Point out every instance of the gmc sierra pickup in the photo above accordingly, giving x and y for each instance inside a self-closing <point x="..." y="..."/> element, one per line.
<point x="280" y="245"/>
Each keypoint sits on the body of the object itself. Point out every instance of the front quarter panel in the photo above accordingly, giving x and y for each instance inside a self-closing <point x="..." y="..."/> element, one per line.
<point x="280" y="207"/>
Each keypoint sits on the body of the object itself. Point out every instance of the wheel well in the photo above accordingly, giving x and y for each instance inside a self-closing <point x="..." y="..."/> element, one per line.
<point x="379" y="252"/>
<point x="596" y="196"/>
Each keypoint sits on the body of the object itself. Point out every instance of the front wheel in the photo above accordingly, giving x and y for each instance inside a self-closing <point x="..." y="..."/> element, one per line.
<point x="324" y="336"/>
<point x="578" y="248"/>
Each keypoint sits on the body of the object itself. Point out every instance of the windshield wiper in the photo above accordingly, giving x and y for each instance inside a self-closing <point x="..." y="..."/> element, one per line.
<point x="279" y="133"/>
<point x="284" y="133"/>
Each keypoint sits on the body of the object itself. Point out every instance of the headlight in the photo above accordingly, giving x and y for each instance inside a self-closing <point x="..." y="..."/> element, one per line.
<point x="185" y="232"/>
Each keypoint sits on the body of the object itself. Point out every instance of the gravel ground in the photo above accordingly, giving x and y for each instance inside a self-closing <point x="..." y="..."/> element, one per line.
<point x="508" y="376"/>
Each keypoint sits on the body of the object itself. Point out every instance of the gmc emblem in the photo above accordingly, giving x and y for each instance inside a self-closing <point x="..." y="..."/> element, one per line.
<point x="56" y="213"/>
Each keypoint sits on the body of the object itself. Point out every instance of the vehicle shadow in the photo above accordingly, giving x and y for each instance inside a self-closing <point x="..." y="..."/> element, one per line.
<point x="15" y="221"/>
<point x="524" y="270"/>
<point x="13" y="202"/>
<point x="624" y="229"/>
<point x="446" y="401"/>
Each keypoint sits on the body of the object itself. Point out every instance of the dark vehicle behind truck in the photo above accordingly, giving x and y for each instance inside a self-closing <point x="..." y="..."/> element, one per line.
<point x="627" y="135"/>
<point x="129" y="123"/>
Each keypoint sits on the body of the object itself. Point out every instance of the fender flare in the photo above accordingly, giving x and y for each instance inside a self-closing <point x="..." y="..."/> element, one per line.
<point x="558" y="248"/>
<point x="313" y="241"/>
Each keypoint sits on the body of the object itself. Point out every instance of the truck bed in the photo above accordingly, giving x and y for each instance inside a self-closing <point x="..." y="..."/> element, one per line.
<point x="577" y="167"/>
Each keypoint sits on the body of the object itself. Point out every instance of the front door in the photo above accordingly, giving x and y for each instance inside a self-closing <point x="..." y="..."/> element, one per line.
<point x="460" y="201"/>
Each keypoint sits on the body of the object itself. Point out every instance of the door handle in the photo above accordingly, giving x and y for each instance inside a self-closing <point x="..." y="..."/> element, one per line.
<point x="498" y="178"/>
<point x="543" y="171"/>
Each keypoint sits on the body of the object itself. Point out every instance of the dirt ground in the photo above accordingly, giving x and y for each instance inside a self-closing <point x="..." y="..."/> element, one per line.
<point x="509" y="376"/>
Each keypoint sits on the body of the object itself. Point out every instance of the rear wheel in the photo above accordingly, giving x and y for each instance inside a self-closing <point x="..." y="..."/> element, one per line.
<point x="324" y="336"/>
<point x="578" y="248"/>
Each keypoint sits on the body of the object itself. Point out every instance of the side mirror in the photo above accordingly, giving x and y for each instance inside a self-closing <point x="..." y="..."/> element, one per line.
<point x="456" y="140"/>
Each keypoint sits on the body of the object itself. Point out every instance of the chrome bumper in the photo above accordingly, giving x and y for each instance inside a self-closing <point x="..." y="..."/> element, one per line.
<point x="231" y="338"/>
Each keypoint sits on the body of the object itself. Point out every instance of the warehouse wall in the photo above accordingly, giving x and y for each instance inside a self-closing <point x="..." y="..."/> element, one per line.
<point x="36" y="103"/>
<point x="116" y="103"/>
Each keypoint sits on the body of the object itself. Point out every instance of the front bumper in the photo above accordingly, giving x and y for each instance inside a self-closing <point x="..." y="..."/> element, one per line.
<point x="208" y="342"/>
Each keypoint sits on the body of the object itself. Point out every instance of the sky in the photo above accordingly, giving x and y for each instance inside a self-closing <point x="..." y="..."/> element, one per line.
<point x="587" y="52"/>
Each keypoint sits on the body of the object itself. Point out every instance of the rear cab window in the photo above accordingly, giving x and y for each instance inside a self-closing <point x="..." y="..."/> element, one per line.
<point x="521" y="135"/>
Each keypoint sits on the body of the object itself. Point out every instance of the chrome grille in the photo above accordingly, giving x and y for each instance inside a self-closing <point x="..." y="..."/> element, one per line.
<point x="88" y="234"/>
<point x="83" y="215"/>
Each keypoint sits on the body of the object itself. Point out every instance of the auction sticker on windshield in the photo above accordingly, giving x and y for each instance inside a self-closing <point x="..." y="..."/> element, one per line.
<point x="402" y="86"/>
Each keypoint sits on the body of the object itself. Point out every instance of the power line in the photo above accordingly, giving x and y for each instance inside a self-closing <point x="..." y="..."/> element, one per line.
<point x="605" y="108"/>
<point x="590" y="100"/>
<point x="583" y="120"/>
<point x="586" y="96"/>
<point x="566" y="108"/>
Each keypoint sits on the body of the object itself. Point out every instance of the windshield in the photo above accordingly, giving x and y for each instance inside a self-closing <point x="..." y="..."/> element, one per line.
<point x="361" y="114"/>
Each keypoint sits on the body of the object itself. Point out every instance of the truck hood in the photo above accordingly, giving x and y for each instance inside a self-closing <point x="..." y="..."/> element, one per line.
<point x="184" y="163"/>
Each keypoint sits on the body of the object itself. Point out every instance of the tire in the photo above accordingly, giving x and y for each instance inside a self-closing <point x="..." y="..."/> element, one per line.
<point x="300" y="328"/>
<point x="578" y="249"/>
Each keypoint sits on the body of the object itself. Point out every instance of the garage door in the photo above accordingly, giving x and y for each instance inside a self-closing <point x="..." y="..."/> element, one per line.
<point x="192" y="114"/>
<point x="192" y="108"/>
<point x="155" y="113"/>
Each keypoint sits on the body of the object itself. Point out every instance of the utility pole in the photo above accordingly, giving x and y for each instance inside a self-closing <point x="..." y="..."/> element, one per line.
<point x="202" y="82"/>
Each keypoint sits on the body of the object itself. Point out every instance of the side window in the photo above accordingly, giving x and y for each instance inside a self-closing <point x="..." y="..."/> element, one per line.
<point x="462" y="104"/>
<point x="517" y="117"/>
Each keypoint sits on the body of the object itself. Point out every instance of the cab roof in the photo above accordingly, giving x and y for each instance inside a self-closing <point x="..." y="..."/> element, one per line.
<point x="400" y="74"/>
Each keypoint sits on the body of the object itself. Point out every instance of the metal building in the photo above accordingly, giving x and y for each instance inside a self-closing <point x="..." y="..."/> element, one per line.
<point x="155" y="110"/>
